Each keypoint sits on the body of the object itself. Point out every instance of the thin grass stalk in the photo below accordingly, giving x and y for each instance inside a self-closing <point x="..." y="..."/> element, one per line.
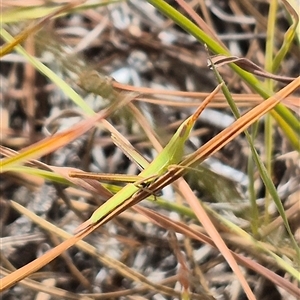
<point x="43" y="69"/>
<point x="264" y="174"/>
<point x="268" y="134"/>
<point x="254" y="83"/>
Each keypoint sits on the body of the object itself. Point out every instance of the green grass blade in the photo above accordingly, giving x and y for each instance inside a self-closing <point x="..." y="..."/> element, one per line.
<point x="48" y="175"/>
<point x="194" y="30"/>
<point x="262" y="170"/>
<point x="49" y="74"/>
<point x="288" y="37"/>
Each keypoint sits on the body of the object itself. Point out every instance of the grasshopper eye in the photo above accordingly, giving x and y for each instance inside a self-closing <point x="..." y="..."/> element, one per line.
<point x="183" y="131"/>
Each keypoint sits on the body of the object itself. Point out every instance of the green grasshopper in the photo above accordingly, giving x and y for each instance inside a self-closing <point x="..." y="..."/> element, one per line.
<point x="171" y="155"/>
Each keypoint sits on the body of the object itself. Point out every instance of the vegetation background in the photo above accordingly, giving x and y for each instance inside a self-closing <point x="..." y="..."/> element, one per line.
<point x="57" y="64"/>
